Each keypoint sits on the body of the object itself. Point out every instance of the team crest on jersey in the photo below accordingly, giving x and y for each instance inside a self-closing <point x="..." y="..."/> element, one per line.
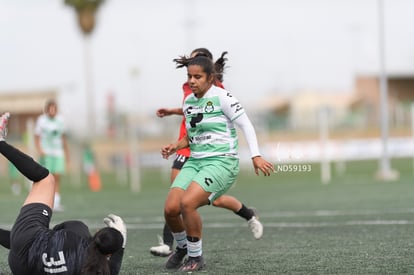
<point x="209" y="107"/>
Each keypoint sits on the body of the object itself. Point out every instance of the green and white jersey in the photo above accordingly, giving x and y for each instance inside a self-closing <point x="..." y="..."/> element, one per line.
<point x="209" y="123"/>
<point x="51" y="131"/>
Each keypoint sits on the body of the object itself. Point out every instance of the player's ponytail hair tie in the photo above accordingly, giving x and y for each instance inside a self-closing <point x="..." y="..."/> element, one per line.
<point x="108" y="240"/>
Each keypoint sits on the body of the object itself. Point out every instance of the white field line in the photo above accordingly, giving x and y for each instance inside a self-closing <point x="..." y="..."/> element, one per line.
<point x="266" y="216"/>
<point x="334" y="213"/>
<point x="279" y="225"/>
<point x="268" y="220"/>
<point x="291" y="214"/>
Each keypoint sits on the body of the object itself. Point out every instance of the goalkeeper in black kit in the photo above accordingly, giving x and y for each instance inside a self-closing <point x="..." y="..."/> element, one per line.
<point x="69" y="247"/>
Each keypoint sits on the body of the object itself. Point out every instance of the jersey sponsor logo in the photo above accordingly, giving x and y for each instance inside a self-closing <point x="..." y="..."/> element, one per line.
<point x="193" y="110"/>
<point x="196" y="115"/>
<point x="199" y="139"/>
<point x="234" y="104"/>
<point x="209" y="107"/>
<point x="237" y="106"/>
<point x="196" y="119"/>
<point x="52" y="265"/>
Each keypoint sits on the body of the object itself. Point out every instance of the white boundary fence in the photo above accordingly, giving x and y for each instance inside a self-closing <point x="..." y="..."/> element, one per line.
<point x="311" y="151"/>
<point x="337" y="150"/>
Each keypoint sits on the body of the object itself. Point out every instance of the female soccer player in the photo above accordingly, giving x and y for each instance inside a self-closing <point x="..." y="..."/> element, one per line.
<point x="164" y="248"/>
<point x="211" y="114"/>
<point x="68" y="248"/>
<point x="51" y="145"/>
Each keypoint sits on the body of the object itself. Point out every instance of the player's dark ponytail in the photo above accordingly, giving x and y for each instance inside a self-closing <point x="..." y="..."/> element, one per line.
<point x="219" y="64"/>
<point x="104" y="243"/>
<point x="182" y="61"/>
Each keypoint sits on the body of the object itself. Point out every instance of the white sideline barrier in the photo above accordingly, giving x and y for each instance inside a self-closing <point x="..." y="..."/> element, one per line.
<point x="311" y="151"/>
<point x="336" y="150"/>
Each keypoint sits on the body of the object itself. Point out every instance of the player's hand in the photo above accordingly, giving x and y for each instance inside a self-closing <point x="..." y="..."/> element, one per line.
<point x="117" y="223"/>
<point x="162" y="112"/>
<point x="168" y="150"/>
<point x="263" y="165"/>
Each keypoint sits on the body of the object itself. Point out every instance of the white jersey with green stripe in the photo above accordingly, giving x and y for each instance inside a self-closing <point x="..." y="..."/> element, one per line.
<point x="209" y="123"/>
<point x="51" y="131"/>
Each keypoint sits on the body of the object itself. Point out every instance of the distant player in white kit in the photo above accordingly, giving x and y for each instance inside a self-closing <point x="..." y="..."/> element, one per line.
<point x="51" y="144"/>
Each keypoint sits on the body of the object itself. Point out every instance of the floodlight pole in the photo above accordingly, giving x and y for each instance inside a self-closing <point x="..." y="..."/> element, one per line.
<point x="412" y="129"/>
<point x="90" y="98"/>
<point x="86" y="13"/>
<point x="324" y="142"/>
<point x="133" y="142"/>
<point x="385" y="172"/>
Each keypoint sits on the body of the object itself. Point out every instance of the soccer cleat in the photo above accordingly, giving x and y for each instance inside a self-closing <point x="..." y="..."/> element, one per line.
<point x="255" y="225"/>
<point x="193" y="264"/>
<point x="176" y="258"/>
<point x="161" y="249"/>
<point x="3" y="125"/>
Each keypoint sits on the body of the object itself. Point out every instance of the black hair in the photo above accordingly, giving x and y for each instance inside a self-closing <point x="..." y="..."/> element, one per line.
<point x="202" y="52"/>
<point x="205" y="63"/>
<point x="219" y="64"/>
<point x="105" y="242"/>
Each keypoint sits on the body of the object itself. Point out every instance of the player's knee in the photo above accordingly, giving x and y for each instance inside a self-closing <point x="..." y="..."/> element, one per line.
<point x="218" y="202"/>
<point x="48" y="179"/>
<point x="172" y="210"/>
<point x="188" y="204"/>
<point x="39" y="173"/>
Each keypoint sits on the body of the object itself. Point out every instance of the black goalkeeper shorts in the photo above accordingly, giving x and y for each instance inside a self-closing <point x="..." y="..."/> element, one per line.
<point x="31" y="224"/>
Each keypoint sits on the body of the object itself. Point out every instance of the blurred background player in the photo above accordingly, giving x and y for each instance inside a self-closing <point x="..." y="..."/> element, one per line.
<point x="165" y="246"/>
<point x="51" y="145"/>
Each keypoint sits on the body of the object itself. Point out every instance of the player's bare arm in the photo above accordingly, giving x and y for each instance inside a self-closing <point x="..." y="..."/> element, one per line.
<point x="170" y="149"/>
<point x="162" y="112"/>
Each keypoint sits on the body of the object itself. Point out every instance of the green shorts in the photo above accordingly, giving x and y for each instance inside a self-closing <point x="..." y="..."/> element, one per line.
<point x="214" y="174"/>
<point x="55" y="164"/>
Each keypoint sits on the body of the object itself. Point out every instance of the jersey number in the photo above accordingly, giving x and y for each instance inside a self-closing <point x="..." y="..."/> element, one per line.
<point x="52" y="265"/>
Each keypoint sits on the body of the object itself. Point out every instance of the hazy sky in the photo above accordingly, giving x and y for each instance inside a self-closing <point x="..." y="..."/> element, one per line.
<point x="275" y="47"/>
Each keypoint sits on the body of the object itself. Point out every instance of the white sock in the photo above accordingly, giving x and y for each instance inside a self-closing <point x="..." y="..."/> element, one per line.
<point x="181" y="239"/>
<point x="57" y="199"/>
<point x="195" y="249"/>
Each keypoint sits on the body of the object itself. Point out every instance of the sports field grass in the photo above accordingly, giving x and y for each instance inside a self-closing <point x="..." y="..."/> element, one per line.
<point x="354" y="225"/>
